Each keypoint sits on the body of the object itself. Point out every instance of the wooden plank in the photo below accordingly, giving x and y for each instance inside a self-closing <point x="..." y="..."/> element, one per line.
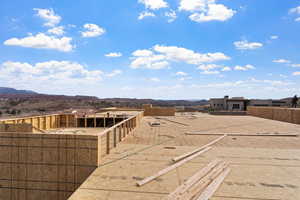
<point x="212" y="188"/>
<point x="239" y="134"/>
<point x="176" y="159"/>
<point x="192" y="180"/>
<point x="174" y="166"/>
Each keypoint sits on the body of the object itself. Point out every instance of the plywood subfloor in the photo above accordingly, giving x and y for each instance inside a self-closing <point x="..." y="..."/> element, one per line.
<point x="263" y="168"/>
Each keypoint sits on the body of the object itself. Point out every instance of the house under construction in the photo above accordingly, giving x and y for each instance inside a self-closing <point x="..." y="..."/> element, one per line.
<point x="151" y="153"/>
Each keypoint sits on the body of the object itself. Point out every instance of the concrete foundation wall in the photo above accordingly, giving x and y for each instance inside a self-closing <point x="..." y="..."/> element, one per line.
<point x="280" y="114"/>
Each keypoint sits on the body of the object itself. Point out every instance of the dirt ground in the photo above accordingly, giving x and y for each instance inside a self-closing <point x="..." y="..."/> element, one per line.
<point x="262" y="168"/>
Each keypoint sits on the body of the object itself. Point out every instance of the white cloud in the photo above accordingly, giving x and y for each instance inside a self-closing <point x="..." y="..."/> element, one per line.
<point x="48" y="15"/>
<point x="146" y="14"/>
<point x="113" y="54"/>
<point x="51" y="70"/>
<point x="92" y="30"/>
<point x="59" y="30"/>
<point x="154" y="4"/>
<point x="154" y="79"/>
<point x="189" y="56"/>
<point x="181" y="74"/>
<point x="142" y="53"/>
<point x="206" y="10"/>
<point x="171" y="15"/>
<point x="225" y="69"/>
<point x="194" y="5"/>
<point x="114" y="73"/>
<point x="42" y="41"/>
<point x="274" y="37"/>
<point x="295" y="65"/>
<point x="295" y="10"/>
<point x="210" y="72"/>
<point x="160" y="56"/>
<point x="209" y="67"/>
<point x="245" y="45"/>
<point x="244" y="68"/>
<point x="283" y="76"/>
<point x="296" y="74"/>
<point x="215" y="12"/>
<point x="281" y="61"/>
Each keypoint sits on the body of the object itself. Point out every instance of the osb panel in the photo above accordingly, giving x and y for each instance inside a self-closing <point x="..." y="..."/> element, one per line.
<point x="15" y="128"/>
<point x="52" y="166"/>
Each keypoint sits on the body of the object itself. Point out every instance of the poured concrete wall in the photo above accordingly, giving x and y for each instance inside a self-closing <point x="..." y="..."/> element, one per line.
<point x="281" y="114"/>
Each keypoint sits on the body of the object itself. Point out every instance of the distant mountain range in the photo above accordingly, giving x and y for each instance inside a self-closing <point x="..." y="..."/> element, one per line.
<point x="6" y="90"/>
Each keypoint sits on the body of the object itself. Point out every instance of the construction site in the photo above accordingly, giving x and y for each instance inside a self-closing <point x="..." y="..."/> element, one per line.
<point x="150" y="154"/>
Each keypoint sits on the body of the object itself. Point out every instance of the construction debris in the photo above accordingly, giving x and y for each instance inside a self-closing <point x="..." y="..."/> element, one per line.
<point x="203" y="184"/>
<point x="241" y="134"/>
<point x="198" y="149"/>
<point x="174" y="166"/>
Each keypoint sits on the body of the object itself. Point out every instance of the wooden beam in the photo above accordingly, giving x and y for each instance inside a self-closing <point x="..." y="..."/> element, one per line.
<point x="198" y="149"/>
<point x="174" y="166"/>
<point x="212" y="188"/>
<point x="192" y="180"/>
<point x="115" y="137"/>
<point x="108" y="142"/>
<point x="200" y="183"/>
<point x="240" y="134"/>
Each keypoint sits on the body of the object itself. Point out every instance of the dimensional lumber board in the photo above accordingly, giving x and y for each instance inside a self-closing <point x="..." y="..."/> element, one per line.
<point x="239" y="134"/>
<point x="192" y="180"/>
<point x="174" y="166"/>
<point x="198" y="149"/>
<point x="212" y="188"/>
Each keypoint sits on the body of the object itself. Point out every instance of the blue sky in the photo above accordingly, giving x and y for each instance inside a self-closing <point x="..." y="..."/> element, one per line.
<point x="162" y="49"/>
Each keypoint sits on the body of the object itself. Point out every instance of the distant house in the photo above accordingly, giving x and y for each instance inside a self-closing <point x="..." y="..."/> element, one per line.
<point x="226" y="103"/>
<point x="240" y="103"/>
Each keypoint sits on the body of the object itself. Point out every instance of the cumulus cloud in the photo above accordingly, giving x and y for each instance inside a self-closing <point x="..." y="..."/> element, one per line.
<point x="274" y="37"/>
<point x="281" y="61"/>
<point x="244" y="68"/>
<point x="171" y="16"/>
<point x="146" y="14"/>
<point x="296" y="73"/>
<point x="48" y="15"/>
<point x="42" y="41"/>
<point x="181" y="74"/>
<point x="225" y="69"/>
<point x="210" y="72"/>
<point x="50" y="70"/>
<point x="154" y="79"/>
<point x="189" y="56"/>
<point x="245" y="45"/>
<point x="296" y="11"/>
<point x="160" y="56"/>
<point x="114" y="73"/>
<point x="92" y="30"/>
<point x="206" y="10"/>
<point x="59" y="30"/>
<point x="215" y="12"/>
<point x="295" y="65"/>
<point x="154" y="4"/>
<point x="113" y="54"/>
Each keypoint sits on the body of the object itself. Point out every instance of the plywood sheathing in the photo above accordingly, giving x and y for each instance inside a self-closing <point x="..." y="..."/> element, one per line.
<point x="291" y="115"/>
<point x="262" y="168"/>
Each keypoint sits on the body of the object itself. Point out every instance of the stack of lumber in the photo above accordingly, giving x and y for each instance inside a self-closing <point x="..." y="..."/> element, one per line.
<point x="203" y="184"/>
<point x="180" y="160"/>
